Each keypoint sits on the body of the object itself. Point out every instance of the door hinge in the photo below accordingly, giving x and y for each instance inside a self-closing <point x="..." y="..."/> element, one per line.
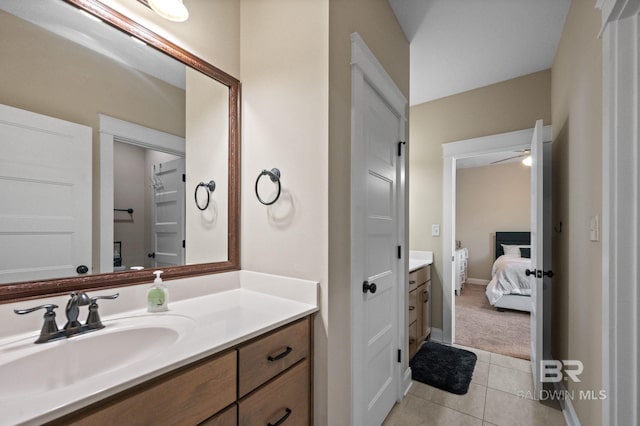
<point x="183" y="244"/>
<point x="400" y="148"/>
<point x="184" y="177"/>
<point x="399" y="355"/>
<point x="399" y="252"/>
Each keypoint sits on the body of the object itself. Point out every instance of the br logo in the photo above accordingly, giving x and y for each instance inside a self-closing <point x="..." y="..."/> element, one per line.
<point x="551" y="370"/>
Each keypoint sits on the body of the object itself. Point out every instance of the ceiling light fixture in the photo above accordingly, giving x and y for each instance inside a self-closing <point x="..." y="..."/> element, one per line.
<point x="173" y="10"/>
<point x="528" y="161"/>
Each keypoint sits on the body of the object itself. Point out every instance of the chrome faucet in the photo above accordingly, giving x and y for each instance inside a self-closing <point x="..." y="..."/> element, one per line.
<point x="50" y="331"/>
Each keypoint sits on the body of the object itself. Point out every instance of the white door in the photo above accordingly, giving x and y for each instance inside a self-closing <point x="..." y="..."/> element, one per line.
<point x="375" y="197"/>
<point x="167" y="237"/>
<point x="45" y="193"/>
<point x="540" y="224"/>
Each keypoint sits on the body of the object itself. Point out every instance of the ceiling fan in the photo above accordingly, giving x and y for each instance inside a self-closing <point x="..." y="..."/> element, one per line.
<point x="522" y="153"/>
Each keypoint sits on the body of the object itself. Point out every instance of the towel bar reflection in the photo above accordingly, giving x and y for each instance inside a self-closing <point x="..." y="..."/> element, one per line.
<point x="274" y="175"/>
<point x="210" y="187"/>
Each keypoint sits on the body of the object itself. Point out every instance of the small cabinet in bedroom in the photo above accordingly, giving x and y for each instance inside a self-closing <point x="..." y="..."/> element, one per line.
<point x="461" y="258"/>
<point x="419" y="307"/>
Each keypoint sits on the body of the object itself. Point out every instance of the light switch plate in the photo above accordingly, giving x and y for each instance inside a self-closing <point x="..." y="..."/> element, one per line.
<point x="435" y="230"/>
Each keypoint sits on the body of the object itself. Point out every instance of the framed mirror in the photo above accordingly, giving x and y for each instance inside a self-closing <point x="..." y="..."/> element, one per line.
<point x="148" y="118"/>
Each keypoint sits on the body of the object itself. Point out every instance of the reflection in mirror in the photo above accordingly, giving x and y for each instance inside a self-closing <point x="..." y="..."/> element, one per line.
<point x="104" y="140"/>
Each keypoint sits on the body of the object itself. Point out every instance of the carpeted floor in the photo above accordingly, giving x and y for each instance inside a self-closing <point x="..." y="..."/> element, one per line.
<point x="480" y="326"/>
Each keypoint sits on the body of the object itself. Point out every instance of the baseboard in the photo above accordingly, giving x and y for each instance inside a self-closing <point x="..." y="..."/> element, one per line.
<point x="407" y="382"/>
<point x="436" y="334"/>
<point x="477" y="281"/>
<point x="569" y="413"/>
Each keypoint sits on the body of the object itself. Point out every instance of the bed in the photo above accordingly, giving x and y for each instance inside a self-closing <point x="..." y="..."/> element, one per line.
<point x="509" y="287"/>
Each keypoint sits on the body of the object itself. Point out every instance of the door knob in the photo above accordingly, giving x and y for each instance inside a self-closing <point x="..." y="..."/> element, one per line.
<point x="82" y="269"/>
<point x="548" y="273"/>
<point x="530" y="272"/>
<point x="369" y="287"/>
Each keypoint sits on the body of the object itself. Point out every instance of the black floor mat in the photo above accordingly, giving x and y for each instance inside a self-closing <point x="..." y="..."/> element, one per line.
<point x="443" y="367"/>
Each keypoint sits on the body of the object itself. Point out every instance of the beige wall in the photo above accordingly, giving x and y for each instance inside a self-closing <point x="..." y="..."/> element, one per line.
<point x="576" y="104"/>
<point x="489" y="199"/>
<point x="129" y="183"/>
<point x="207" y="158"/>
<point x="503" y="107"/>
<point x="285" y="90"/>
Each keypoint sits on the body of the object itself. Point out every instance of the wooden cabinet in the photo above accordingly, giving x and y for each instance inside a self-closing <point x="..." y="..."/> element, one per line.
<point x="419" y="308"/>
<point x="261" y="381"/>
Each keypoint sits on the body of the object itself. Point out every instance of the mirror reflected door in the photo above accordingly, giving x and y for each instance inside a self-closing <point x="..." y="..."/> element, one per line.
<point x="45" y="184"/>
<point x="60" y="63"/>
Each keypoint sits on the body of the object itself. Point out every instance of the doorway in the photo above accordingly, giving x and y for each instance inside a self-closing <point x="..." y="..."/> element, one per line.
<point x="454" y="152"/>
<point x="112" y="131"/>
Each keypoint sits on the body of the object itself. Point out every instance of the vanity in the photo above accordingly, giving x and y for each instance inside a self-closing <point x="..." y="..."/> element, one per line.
<point x="233" y="347"/>
<point x="419" y="288"/>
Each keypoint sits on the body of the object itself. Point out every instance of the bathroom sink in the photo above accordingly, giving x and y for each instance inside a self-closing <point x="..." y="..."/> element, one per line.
<point x="29" y="369"/>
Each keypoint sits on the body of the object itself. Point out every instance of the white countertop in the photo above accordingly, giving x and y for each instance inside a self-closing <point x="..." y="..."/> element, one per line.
<point x="419" y="259"/>
<point x="227" y="309"/>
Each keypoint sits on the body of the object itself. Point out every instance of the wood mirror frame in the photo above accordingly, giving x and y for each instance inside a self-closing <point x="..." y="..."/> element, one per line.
<point x="36" y="289"/>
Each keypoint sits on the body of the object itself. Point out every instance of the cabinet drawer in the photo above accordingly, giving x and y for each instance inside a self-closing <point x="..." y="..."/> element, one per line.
<point x="265" y="358"/>
<point x="419" y="276"/>
<point x="186" y="397"/>
<point x="413" y="305"/>
<point x="228" y="417"/>
<point x="286" y="397"/>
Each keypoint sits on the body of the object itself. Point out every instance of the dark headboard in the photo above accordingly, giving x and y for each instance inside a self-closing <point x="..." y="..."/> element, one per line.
<point x="512" y="239"/>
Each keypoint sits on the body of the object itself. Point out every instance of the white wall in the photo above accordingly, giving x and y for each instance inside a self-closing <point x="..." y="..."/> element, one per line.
<point x="207" y="156"/>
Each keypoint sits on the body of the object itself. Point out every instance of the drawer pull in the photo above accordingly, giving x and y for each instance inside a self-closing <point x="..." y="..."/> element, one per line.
<point x="411" y="308"/>
<point x="282" y="419"/>
<point x="412" y="282"/>
<point x="280" y="355"/>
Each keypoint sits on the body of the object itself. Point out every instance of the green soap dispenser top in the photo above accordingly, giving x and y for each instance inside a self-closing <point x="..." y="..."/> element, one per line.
<point x="158" y="295"/>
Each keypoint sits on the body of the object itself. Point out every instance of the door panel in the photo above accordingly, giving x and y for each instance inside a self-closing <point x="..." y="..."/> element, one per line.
<point x="45" y="186"/>
<point x="168" y="213"/>
<point x="381" y="130"/>
<point x="537" y="253"/>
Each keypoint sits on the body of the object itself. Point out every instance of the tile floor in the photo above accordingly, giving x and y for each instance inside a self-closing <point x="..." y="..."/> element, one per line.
<point x="496" y="396"/>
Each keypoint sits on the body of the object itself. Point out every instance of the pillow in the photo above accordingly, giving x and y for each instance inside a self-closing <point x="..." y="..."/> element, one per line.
<point x="511" y="250"/>
<point x="525" y="252"/>
<point x="515" y="250"/>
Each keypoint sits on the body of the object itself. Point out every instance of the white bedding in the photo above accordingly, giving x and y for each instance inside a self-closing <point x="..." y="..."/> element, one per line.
<point x="508" y="277"/>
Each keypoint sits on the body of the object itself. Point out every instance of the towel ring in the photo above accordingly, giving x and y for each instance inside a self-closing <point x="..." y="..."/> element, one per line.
<point x="274" y="175"/>
<point x="210" y="187"/>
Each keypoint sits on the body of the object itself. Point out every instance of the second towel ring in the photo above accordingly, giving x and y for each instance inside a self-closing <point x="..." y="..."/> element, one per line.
<point x="211" y="186"/>
<point x="274" y="175"/>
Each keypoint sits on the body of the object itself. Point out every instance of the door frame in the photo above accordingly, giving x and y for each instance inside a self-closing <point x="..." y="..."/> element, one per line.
<point x="452" y="152"/>
<point x="620" y="215"/>
<point x="366" y="68"/>
<point x="115" y="130"/>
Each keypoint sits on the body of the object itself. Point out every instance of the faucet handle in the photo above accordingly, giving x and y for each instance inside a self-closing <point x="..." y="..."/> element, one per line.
<point x="111" y="296"/>
<point x="49" y="307"/>
<point x="49" y="327"/>
<point x="93" y="319"/>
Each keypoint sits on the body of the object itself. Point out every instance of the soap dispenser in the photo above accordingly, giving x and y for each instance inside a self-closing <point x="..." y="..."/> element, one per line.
<point x="158" y="295"/>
